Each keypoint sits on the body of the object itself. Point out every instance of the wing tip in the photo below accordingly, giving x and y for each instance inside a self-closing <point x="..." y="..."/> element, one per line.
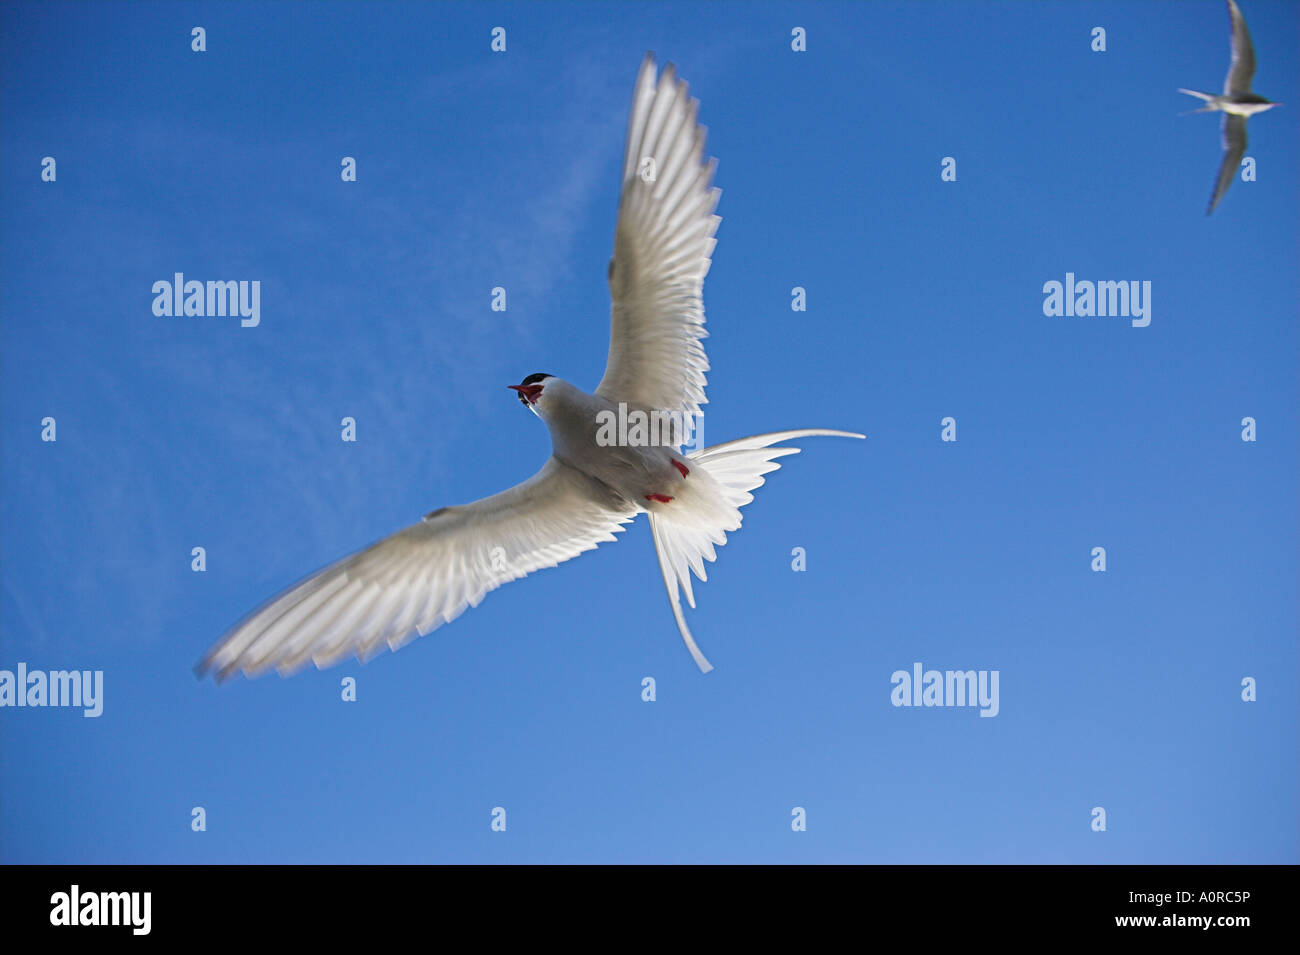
<point x="208" y="667"/>
<point x="647" y="66"/>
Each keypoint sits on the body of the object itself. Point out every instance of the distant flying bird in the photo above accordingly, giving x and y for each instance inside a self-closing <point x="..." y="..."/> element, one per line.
<point x="1237" y="103"/>
<point x="598" y="478"/>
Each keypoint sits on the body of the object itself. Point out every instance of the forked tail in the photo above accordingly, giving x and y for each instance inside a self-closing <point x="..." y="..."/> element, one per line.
<point x="735" y="468"/>
<point x="1208" y="97"/>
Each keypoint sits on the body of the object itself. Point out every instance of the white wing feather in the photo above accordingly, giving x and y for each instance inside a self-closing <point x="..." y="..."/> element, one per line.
<point x="662" y="248"/>
<point x="423" y="576"/>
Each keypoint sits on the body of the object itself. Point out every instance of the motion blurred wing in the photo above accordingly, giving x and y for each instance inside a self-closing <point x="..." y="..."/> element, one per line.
<point x="1234" y="147"/>
<point x="1242" y="70"/>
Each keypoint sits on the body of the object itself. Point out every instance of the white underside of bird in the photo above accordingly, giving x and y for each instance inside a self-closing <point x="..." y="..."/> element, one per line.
<point x="426" y="575"/>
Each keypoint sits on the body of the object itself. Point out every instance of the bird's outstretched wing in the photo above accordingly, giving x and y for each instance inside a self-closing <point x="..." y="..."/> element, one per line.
<point x="662" y="248"/>
<point x="421" y="577"/>
<point x="1234" y="147"/>
<point x="1242" y="70"/>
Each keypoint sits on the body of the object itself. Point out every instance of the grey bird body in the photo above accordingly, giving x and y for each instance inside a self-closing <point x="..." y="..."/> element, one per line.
<point x="1236" y="102"/>
<point x="631" y="470"/>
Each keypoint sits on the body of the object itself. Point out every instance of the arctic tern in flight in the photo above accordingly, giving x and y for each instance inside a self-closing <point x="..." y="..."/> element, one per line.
<point x="426" y="575"/>
<point x="1237" y="103"/>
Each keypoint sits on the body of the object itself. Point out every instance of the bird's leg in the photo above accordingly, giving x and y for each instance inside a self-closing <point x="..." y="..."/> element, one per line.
<point x="664" y="498"/>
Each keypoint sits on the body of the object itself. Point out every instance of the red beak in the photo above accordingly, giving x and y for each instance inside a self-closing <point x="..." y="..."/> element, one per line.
<point x="529" y="392"/>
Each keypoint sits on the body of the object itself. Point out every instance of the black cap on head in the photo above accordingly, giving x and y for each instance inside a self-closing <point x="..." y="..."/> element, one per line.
<point x="532" y="379"/>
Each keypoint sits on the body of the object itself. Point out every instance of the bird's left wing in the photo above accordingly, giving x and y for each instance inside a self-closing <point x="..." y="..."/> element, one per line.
<point x="663" y="245"/>
<point x="1242" y="70"/>
<point x="1234" y="147"/>
<point x="426" y="575"/>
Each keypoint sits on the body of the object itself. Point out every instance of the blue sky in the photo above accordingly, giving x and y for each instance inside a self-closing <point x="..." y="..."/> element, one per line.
<point x="1119" y="689"/>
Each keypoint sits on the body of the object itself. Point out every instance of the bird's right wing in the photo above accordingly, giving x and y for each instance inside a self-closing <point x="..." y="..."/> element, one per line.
<point x="1234" y="147"/>
<point x="1242" y="70"/>
<point x="663" y="244"/>
<point x="423" y="576"/>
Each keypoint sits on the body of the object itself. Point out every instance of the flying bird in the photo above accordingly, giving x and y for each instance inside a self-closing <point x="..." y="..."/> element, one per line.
<point x="598" y="478"/>
<point x="1237" y="102"/>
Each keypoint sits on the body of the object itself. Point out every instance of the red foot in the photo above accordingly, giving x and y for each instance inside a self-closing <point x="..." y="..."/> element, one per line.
<point x="681" y="467"/>
<point x="661" y="498"/>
